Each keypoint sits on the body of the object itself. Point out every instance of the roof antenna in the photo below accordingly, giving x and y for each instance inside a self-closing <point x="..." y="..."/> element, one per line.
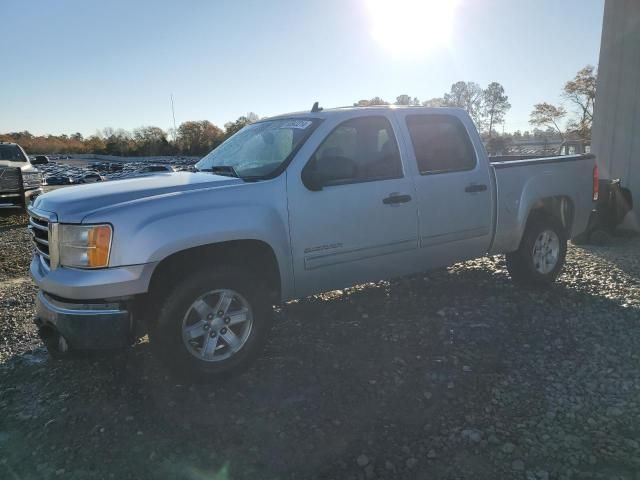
<point x="316" y="108"/>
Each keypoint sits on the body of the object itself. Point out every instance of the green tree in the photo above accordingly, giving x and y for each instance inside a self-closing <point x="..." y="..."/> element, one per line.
<point x="231" y="128"/>
<point x="467" y="95"/>
<point x="370" y="103"/>
<point x="199" y="138"/>
<point x="406" y="100"/>
<point x="151" y="141"/>
<point x="434" y="102"/>
<point x="117" y="142"/>
<point x="495" y="105"/>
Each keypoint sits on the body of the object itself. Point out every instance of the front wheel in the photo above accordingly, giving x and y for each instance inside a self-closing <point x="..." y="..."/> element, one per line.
<point x="541" y="255"/>
<point x="213" y="323"/>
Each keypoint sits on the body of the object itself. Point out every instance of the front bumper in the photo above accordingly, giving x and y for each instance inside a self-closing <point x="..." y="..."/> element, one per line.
<point x="18" y="200"/>
<point x="81" y="284"/>
<point x="85" y="326"/>
<point x="32" y="194"/>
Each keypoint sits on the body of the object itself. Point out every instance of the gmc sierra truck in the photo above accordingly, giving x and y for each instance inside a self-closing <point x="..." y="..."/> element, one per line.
<point x="20" y="182"/>
<point x="288" y="207"/>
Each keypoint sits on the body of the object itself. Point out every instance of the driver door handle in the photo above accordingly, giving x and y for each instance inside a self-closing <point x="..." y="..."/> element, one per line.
<point x="473" y="188"/>
<point x="395" y="198"/>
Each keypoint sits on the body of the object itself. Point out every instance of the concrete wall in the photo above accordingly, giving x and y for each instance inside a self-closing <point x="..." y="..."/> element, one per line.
<point x="616" y="125"/>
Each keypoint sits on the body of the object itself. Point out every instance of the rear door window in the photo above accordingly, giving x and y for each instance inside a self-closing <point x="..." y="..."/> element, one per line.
<point x="441" y="144"/>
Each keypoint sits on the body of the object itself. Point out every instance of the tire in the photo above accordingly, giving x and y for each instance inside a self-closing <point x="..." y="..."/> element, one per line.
<point x="195" y="341"/>
<point x="541" y="269"/>
<point x="57" y="347"/>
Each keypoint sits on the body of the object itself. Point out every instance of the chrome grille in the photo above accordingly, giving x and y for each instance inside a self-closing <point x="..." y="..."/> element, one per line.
<point x="39" y="228"/>
<point x="10" y="180"/>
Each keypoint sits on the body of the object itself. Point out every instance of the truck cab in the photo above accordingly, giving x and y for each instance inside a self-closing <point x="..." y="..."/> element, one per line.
<point x="20" y="181"/>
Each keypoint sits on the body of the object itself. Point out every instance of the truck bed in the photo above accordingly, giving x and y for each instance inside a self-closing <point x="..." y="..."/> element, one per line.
<point x="520" y="181"/>
<point x="505" y="161"/>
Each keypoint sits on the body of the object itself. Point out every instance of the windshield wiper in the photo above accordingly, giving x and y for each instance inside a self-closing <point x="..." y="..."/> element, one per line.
<point x="225" y="170"/>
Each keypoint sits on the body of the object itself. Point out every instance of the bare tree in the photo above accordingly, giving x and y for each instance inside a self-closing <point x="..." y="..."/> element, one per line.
<point x="252" y="117"/>
<point x="547" y="115"/>
<point x="581" y="92"/>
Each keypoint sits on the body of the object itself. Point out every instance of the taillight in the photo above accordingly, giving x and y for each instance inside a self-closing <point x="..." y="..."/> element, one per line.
<point x="596" y="183"/>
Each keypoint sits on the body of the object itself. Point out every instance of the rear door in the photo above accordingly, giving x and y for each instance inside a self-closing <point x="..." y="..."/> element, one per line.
<point x="453" y="187"/>
<point x="361" y="226"/>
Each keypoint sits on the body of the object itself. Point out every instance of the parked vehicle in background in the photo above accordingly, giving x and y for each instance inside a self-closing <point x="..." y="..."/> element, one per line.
<point x="55" y="180"/>
<point x="156" y="169"/>
<point x="40" y="160"/>
<point x="91" y="178"/>
<point x="20" y="182"/>
<point x="288" y="207"/>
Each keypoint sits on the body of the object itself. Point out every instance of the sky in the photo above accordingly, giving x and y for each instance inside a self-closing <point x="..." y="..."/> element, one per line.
<point x="82" y="65"/>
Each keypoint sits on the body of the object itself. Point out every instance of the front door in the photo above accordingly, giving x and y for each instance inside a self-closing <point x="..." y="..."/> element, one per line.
<point x="358" y="221"/>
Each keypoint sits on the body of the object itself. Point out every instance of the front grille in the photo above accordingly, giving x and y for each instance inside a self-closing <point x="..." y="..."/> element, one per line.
<point x="10" y="180"/>
<point x="39" y="228"/>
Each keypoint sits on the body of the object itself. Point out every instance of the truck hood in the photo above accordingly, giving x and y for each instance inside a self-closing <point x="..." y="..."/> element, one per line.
<point x="24" y="166"/>
<point x="72" y="204"/>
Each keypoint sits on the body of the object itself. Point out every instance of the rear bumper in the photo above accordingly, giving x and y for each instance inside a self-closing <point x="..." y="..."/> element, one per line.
<point x="86" y="326"/>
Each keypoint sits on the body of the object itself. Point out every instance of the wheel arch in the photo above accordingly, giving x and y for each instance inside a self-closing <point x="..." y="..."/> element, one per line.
<point x="255" y="256"/>
<point x="560" y="207"/>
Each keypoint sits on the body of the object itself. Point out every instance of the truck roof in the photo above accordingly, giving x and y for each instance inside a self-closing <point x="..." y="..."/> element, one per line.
<point x="345" y="111"/>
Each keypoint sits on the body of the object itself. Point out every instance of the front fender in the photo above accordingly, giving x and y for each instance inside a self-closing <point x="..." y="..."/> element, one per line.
<point x="148" y="232"/>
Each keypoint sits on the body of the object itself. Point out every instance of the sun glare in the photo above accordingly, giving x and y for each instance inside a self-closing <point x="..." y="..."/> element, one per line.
<point x="411" y="28"/>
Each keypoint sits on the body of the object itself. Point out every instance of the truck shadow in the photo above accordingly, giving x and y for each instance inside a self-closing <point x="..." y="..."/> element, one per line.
<point x="389" y="369"/>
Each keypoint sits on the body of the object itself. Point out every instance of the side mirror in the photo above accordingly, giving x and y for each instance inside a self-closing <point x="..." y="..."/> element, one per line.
<point x="324" y="171"/>
<point x="312" y="180"/>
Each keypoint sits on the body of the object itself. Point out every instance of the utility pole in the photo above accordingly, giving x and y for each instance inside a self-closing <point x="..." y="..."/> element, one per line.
<point x="173" y="113"/>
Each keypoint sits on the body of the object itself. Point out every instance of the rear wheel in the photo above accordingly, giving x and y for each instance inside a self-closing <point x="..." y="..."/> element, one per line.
<point x="213" y="323"/>
<point x="542" y="252"/>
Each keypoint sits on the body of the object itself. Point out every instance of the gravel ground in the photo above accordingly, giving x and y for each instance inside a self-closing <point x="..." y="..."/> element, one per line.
<point x="456" y="374"/>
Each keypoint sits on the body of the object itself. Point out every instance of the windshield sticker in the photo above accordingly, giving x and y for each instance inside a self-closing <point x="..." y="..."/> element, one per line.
<point x="301" y="124"/>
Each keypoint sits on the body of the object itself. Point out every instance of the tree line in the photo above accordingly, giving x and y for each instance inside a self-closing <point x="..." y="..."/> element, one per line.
<point x="487" y="106"/>
<point x="192" y="138"/>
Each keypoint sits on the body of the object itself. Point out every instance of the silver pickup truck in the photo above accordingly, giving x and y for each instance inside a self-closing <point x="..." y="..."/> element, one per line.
<point x="288" y="207"/>
<point x="20" y="182"/>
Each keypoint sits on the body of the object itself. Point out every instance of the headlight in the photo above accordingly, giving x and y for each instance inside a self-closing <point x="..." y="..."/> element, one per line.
<point x="31" y="180"/>
<point x="85" y="246"/>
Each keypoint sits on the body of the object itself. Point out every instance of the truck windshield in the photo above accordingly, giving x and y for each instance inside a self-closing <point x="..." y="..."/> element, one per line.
<point x="11" y="153"/>
<point x="260" y="149"/>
